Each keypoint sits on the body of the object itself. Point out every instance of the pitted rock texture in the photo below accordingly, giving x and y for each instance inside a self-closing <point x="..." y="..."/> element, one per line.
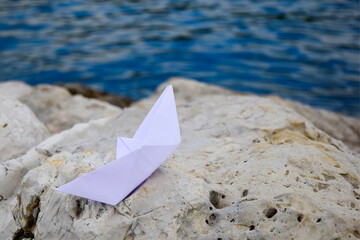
<point x="247" y="168"/>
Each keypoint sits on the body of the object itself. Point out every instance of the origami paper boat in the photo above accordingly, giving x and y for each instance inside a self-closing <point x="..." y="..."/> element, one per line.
<point x="136" y="158"/>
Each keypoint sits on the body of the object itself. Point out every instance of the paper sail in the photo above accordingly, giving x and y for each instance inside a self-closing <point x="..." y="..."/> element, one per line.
<point x="136" y="158"/>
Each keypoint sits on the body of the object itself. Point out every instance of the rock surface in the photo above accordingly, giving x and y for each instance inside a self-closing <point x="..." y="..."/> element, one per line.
<point x="59" y="110"/>
<point x="14" y="89"/>
<point x="346" y="129"/>
<point x="19" y="128"/>
<point x="83" y="90"/>
<point x="247" y="167"/>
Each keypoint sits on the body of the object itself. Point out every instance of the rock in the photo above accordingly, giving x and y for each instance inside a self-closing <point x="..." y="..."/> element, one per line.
<point x="14" y="89"/>
<point x="19" y="128"/>
<point x="188" y="90"/>
<point x="81" y="89"/>
<point x="58" y="110"/>
<point x="247" y="167"/>
<point x="346" y="129"/>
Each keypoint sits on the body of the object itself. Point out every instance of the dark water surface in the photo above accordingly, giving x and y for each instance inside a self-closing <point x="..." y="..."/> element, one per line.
<point x="304" y="50"/>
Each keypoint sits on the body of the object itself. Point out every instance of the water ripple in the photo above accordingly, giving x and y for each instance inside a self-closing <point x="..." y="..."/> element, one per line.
<point x="304" y="50"/>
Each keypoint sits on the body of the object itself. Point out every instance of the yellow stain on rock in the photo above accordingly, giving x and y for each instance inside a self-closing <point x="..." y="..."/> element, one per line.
<point x="310" y="176"/>
<point x="57" y="163"/>
<point x="86" y="169"/>
<point x="144" y="189"/>
<point x="300" y="136"/>
<point x="88" y="151"/>
<point x="285" y="135"/>
<point x="265" y="108"/>
<point x="263" y="146"/>
<point x="332" y="160"/>
<point x="288" y="136"/>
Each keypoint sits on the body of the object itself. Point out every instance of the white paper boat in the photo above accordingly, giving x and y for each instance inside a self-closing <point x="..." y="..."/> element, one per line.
<point x="136" y="158"/>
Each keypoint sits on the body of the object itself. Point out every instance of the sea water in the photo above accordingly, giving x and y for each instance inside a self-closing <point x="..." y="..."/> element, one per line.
<point x="303" y="50"/>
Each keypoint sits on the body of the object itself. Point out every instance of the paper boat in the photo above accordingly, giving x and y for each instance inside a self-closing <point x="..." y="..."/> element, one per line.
<point x="136" y="158"/>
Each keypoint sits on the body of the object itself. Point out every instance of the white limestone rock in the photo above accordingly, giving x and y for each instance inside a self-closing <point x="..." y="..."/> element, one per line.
<point x="247" y="167"/>
<point x="19" y="128"/>
<point x="14" y="89"/>
<point x="59" y="110"/>
<point x="338" y="126"/>
<point x="344" y="128"/>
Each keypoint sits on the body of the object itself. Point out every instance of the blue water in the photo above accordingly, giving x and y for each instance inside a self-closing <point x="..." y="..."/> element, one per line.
<point x="303" y="50"/>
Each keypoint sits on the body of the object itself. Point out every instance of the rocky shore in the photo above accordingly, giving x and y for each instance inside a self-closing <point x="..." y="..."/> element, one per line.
<point x="248" y="167"/>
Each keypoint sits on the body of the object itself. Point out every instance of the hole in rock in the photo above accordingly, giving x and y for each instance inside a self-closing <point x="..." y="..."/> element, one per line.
<point x="32" y="212"/>
<point x="216" y="199"/>
<point x="270" y="212"/>
<point x="356" y="234"/>
<point x="211" y="220"/>
<point x="356" y="195"/>
<point x="318" y="220"/>
<point x="245" y="193"/>
<point x="78" y="208"/>
<point x="212" y="217"/>
<point x="300" y="217"/>
<point x="252" y="227"/>
<point x="23" y="234"/>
